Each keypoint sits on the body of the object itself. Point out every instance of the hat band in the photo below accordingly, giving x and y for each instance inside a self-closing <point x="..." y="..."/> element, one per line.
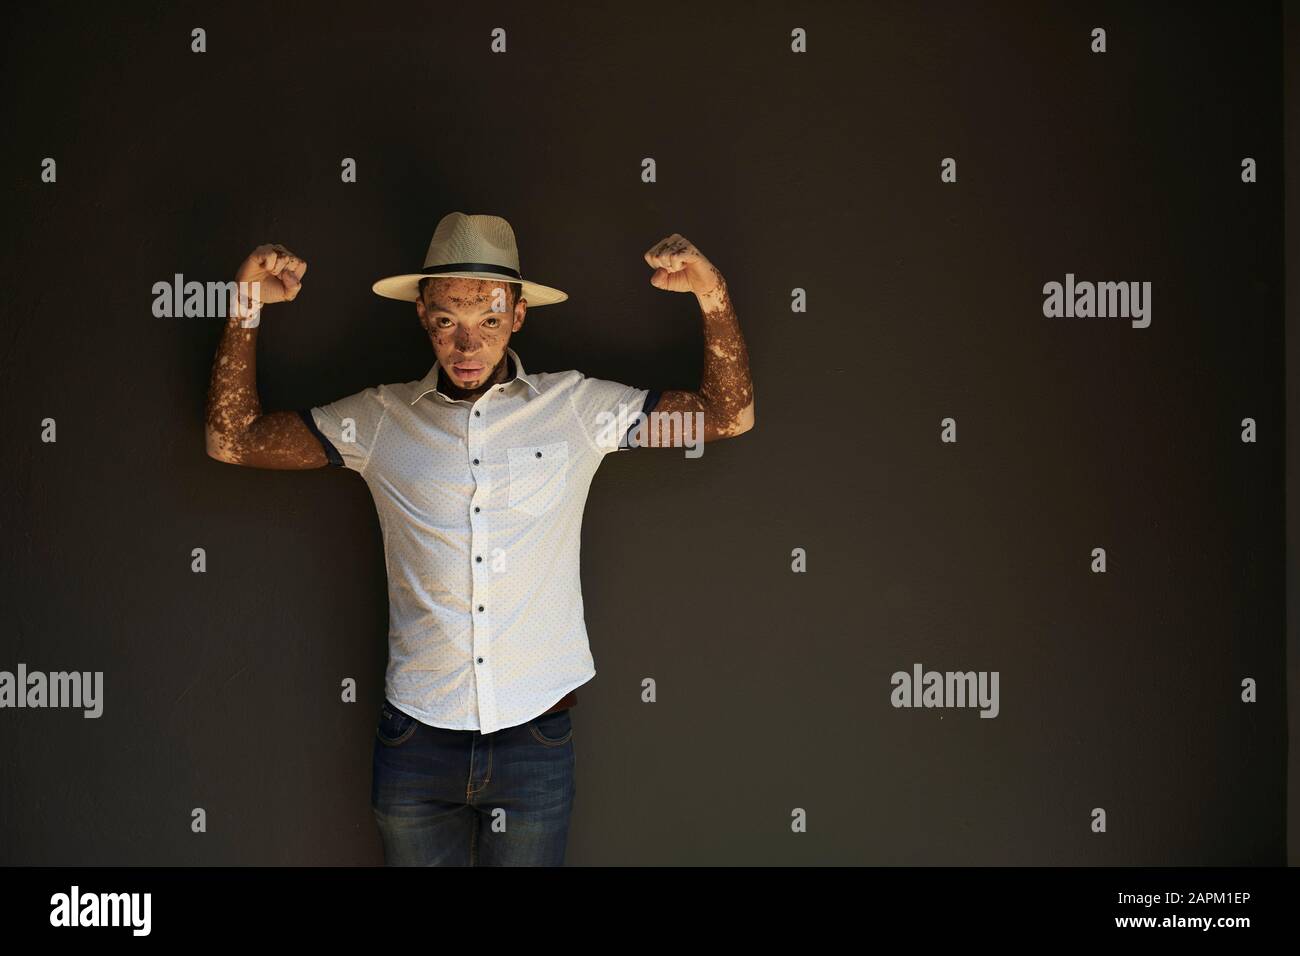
<point x="473" y="267"/>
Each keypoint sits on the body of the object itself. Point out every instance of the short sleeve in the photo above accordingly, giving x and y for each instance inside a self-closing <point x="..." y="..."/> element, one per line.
<point x="350" y="426"/>
<point x="609" y="411"/>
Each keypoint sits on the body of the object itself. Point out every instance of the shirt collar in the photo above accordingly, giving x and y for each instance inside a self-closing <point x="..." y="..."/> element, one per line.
<point x="431" y="381"/>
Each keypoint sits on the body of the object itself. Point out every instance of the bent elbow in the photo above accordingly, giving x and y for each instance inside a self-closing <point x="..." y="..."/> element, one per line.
<point x="217" y="448"/>
<point x="745" y="421"/>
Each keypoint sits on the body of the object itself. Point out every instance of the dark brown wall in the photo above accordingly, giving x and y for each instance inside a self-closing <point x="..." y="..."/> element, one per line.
<point x="818" y="171"/>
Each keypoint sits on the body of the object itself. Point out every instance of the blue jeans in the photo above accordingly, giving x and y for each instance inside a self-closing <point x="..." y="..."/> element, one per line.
<point x="464" y="798"/>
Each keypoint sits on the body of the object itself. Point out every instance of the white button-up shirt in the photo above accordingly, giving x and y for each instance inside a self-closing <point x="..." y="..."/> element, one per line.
<point x="480" y="505"/>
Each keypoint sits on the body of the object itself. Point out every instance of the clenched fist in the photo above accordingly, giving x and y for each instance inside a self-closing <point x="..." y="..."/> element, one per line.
<point x="680" y="267"/>
<point x="277" y="271"/>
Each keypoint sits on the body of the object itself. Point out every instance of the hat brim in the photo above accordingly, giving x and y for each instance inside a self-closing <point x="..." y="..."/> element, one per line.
<point x="406" y="287"/>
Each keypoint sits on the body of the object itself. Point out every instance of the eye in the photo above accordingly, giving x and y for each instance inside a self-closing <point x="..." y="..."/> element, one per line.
<point x="439" y="322"/>
<point x="492" y="322"/>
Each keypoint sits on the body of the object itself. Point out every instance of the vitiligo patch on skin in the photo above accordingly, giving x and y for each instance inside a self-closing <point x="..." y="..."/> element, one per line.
<point x="726" y="392"/>
<point x="457" y="315"/>
<point x="237" y="431"/>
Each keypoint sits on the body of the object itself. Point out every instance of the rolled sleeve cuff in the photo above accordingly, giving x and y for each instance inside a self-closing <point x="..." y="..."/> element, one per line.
<point x="331" y="453"/>
<point x="651" y="400"/>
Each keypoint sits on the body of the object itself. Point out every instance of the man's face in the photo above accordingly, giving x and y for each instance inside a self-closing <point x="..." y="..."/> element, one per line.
<point x="470" y="322"/>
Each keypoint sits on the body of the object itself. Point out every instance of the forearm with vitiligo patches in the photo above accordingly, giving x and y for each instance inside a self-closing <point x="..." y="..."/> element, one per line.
<point x="726" y="387"/>
<point x="233" y="402"/>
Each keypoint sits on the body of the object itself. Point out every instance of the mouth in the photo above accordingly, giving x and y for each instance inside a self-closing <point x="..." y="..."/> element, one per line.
<point x="469" y="371"/>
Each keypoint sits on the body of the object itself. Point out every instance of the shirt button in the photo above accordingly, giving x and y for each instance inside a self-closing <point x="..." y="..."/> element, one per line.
<point x="476" y="509"/>
<point x="539" y="454"/>
<point x="480" y="607"/>
<point x="480" y="660"/>
<point x="476" y="413"/>
<point x="479" y="558"/>
<point x="476" y="461"/>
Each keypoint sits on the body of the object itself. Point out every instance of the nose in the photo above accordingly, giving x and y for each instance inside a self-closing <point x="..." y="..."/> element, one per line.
<point x="464" y="341"/>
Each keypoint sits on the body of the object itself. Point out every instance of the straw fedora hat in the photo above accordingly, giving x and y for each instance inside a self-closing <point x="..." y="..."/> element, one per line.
<point x="470" y="247"/>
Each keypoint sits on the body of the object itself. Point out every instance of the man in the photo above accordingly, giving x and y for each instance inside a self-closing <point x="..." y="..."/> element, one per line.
<point x="479" y="473"/>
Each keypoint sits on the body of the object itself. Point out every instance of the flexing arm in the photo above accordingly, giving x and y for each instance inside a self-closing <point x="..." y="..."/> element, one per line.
<point x="726" y="393"/>
<point x="237" y="430"/>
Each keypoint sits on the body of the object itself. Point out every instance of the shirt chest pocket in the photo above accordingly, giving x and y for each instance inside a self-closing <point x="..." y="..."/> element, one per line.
<point x="538" y="476"/>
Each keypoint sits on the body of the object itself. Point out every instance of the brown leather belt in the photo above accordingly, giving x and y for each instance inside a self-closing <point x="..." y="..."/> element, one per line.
<point x="568" y="700"/>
